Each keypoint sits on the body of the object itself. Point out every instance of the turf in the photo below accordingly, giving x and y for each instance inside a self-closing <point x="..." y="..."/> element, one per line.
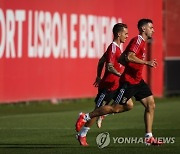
<point x="42" y="128"/>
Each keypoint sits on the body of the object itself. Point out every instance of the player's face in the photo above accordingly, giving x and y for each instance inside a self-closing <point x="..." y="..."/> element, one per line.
<point x="123" y="35"/>
<point x="149" y="30"/>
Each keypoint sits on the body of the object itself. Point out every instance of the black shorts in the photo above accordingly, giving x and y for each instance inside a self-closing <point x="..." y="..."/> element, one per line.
<point x="127" y="90"/>
<point x="104" y="95"/>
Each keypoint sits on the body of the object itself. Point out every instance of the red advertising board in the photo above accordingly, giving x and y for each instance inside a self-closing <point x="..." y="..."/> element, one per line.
<point x="50" y="49"/>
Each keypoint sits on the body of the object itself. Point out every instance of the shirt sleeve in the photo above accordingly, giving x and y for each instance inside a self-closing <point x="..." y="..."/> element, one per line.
<point x="110" y="57"/>
<point x="135" y="45"/>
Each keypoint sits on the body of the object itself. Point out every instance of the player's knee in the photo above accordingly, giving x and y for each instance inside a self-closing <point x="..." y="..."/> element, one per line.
<point x="115" y="109"/>
<point x="129" y="106"/>
<point x="151" y="106"/>
<point x="110" y="109"/>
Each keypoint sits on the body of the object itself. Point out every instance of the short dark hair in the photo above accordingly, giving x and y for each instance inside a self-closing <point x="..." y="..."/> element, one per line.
<point x="143" y="22"/>
<point x="118" y="27"/>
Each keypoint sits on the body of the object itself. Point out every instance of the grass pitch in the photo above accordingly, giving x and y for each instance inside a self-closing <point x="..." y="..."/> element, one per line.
<point x="45" y="128"/>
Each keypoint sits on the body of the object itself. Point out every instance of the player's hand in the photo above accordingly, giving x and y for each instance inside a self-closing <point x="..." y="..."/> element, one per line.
<point x="97" y="81"/>
<point x="152" y="63"/>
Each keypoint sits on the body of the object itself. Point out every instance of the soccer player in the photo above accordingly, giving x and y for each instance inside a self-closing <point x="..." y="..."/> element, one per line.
<point x="131" y="82"/>
<point x="101" y="86"/>
<point x="108" y="85"/>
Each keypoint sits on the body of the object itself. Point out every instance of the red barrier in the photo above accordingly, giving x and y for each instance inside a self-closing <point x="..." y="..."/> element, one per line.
<point x="50" y="49"/>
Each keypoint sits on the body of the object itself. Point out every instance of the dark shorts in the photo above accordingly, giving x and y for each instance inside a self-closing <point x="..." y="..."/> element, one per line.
<point x="105" y="96"/>
<point x="127" y="90"/>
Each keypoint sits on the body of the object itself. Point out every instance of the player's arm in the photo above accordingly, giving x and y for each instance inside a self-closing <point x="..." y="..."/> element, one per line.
<point x="101" y="63"/>
<point x="100" y="66"/>
<point x="122" y="59"/>
<point x="131" y="57"/>
<point x="110" y="68"/>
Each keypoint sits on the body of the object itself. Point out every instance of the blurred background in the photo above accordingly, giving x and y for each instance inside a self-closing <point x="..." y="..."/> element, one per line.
<point x="49" y="49"/>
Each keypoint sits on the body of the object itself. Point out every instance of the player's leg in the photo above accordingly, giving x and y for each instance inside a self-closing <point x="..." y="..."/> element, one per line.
<point x="109" y="96"/>
<point x="119" y="105"/>
<point x="123" y="96"/>
<point x="103" y="110"/>
<point x="149" y="105"/>
<point x="83" y="132"/>
<point x="145" y="96"/>
<point x="103" y="97"/>
<point x="128" y="106"/>
<point x="107" y="109"/>
<point x="122" y="108"/>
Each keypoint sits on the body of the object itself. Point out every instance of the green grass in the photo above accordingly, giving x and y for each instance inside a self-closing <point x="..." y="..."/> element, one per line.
<point x="44" y="128"/>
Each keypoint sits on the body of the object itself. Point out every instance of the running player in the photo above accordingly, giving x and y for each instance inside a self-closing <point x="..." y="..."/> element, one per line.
<point x="107" y="87"/>
<point x="132" y="83"/>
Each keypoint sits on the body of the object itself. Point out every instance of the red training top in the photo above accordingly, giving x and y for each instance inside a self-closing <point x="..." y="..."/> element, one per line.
<point x="133" y="71"/>
<point x="111" y="81"/>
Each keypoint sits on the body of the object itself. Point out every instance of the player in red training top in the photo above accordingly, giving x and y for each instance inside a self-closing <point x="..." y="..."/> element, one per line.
<point x="107" y="88"/>
<point x="133" y="70"/>
<point x="108" y="85"/>
<point x="131" y="82"/>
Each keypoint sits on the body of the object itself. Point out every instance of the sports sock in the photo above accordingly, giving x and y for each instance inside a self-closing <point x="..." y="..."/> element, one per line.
<point x="87" y="117"/>
<point x="84" y="131"/>
<point x="147" y="135"/>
